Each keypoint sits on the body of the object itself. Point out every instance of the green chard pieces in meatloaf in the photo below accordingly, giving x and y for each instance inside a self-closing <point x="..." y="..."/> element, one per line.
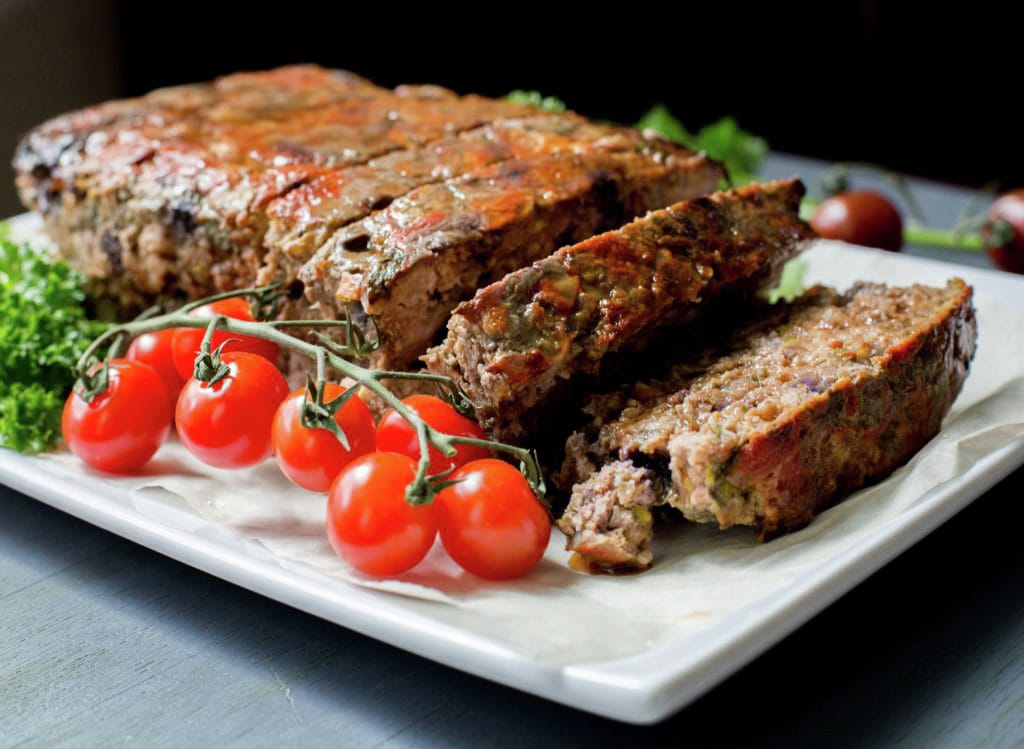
<point x="520" y="343"/>
<point x="43" y="331"/>
<point x="795" y="411"/>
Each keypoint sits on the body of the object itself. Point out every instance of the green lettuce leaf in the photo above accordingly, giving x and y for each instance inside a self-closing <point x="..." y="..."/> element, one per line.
<point x="791" y="284"/>
<point x="724" y="140"/>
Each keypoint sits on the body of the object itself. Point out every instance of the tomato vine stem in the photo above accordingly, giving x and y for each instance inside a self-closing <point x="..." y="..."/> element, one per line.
<point x="915" y="233"/>
<point x="954" y="240"/>
<point x="328" y="353"/>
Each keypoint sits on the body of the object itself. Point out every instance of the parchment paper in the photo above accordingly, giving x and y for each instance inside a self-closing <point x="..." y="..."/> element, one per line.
<point x="701" y="575"/>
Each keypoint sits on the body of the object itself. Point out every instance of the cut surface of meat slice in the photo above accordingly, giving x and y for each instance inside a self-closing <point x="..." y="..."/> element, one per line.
<point x="523" y="341"/>
<point x="798" y="410"/>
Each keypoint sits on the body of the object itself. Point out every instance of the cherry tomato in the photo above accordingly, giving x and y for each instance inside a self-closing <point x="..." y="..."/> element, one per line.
<point x="860" y="217"/>
<point x="157" y="350"/>
<point x="1004" y="231"/>
<point x="490" y="522"/>
<point x="313" y="457"/>
<point x="120" y="429"/>
<point x="227" y="424"/>
<point x="188" y="340"/>
<point x="369" y="522"/>
<point x="395" y="434"/>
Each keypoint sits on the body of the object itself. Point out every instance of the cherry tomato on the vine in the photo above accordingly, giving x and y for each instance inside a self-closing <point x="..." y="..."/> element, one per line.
<point x="313" y="457"/>
<point x="121" y="428"/>
<point x="860" y="217"/>
<point x="1004" y="231"/>
<point x="490" y="521"/>
<point x="369" y="522"/>
<point x="395" y="434"/>
<point x="157" y="350"/>
<point x="187" y="341"/>
<point x="227" y="424"/>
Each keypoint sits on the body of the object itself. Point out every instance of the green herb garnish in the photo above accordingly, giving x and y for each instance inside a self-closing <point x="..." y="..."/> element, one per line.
<point x="791" y="284"/>
<point x="43" y="332"/>
<point x="534" y="99"/>
<point x="724" y="140"/>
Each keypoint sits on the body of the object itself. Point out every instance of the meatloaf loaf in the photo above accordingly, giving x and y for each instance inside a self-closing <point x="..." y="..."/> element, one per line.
<point x="197" y="189"/>
<point x="799" y="409"/>
<point x="526" y="341"/>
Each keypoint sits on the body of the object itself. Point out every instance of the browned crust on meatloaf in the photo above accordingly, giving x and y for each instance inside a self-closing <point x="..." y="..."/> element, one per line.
<point x="306" y="217"/>
<point x="539" y="332"/>
<point x="202" y="188"/>
<point x="828" y="393"/>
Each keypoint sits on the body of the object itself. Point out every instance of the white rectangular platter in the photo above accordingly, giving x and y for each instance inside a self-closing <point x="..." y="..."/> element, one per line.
<point x="635" y="648"/>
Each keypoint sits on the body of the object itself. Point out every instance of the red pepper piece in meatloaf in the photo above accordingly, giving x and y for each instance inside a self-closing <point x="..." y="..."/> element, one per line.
<point x="526" y="340"/>
<point x="799" y="410"/>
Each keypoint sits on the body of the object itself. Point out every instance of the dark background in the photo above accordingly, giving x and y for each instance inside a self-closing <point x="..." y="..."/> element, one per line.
<point x="929" y="92"/>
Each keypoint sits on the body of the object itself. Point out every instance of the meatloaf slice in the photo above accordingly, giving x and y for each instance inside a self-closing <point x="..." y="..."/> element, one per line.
<point x="306" y="217"/>
<point x="410" y="264"/>
<point x="800" y="409"/>
<point x="525" y="341"/>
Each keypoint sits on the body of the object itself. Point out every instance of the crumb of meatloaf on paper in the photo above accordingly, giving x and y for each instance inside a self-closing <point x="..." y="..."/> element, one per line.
<point x="796" y="411"/>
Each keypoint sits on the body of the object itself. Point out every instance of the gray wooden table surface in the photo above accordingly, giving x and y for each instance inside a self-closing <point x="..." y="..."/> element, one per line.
<point x="104" y="643"/>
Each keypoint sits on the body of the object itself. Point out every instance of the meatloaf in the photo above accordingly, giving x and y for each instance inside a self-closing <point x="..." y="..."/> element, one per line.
<point x="202" y="188"/>
<point x="797" y="410"/>
<point x="525" y="342"/>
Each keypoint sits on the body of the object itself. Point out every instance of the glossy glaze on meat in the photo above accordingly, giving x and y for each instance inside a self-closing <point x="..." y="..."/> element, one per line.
<point x="172" y="194"/>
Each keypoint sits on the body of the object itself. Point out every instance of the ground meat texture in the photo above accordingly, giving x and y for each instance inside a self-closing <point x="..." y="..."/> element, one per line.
<point x="525" y="341"/>
<point x="796" y="411"/>
<point x="609" y="520"/>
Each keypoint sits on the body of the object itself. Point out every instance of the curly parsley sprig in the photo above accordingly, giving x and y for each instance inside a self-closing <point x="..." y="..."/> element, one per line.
<point x="43" y="331"/>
